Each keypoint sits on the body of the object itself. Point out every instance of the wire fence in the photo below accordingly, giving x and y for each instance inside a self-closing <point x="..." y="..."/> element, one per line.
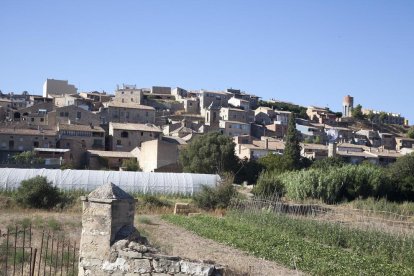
<point x="383" y="221"/>
<point x="24" y="252"/>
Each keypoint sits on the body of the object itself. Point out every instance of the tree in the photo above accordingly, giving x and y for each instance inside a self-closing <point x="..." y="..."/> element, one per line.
<point x="209" y="153"/>
<point x="249" y="171"/>
<point x="27" y="158"/>
<point x="291" y="154"/>
<point x="402" y="174"/>
<point x="357" y="112"/>
<point x="371" y="116"/>
<point x="383" y="117"/>
<point x="410" y="133"/>
<point x="131" y="165"/>
<point x="38" y="193"/>
<point x="339" y="114"/>
<point x="274" y="163"/>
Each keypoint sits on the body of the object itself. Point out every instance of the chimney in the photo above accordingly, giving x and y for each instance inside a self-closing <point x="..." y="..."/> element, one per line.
<point x="267" y="143"/>
<point x="332" y="150"/>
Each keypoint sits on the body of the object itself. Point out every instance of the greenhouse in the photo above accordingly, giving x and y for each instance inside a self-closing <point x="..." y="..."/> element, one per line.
<point x="140" y="182"/>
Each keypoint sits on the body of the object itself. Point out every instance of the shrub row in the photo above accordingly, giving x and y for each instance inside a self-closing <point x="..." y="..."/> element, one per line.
<point x="335" y="184"/>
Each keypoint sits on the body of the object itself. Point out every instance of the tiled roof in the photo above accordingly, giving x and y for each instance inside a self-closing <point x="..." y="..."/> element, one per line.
<point x="272" y="145"/>
<point x="113" y="154"/>
<point x="129" y="105"/>
<point x="137" y="127"/>
<point x="26" y="131"/>
<point x="81" y="128"/>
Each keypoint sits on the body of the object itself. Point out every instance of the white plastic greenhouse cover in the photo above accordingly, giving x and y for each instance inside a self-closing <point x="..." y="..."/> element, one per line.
<point x="142" y="182"/>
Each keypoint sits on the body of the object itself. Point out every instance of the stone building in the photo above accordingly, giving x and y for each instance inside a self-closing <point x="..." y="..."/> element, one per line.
<point x="127" y="136"/>
<point x="15" y="140"/>
<point x="85" y="136"/>
<point x="402" y="142"/>
<point x="112" y="160"/>
<point x="216" y="98"/>
<point x="158" y="156"/>
<point x="73" y="115"/>
<point x="128" y="94"/>
<point x="233" y="128"/>
<point x="53" y="87"/>
<point x="320" y="115"/>
<point x="119" y="112"/>
<point x="234" y="114"/>
<point x="255" y="149"/>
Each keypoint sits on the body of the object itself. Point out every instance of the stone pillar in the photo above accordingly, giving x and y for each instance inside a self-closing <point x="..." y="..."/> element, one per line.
<point x="105" y="211"/>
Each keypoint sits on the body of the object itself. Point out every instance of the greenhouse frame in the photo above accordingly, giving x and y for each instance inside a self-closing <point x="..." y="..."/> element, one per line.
<point x="134" y="182"/>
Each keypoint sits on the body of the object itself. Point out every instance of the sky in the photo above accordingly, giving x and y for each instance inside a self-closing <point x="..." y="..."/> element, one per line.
<point x="307" y="52"/>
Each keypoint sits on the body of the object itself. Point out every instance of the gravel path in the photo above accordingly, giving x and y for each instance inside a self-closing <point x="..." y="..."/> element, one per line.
<point x="175" y="240"/>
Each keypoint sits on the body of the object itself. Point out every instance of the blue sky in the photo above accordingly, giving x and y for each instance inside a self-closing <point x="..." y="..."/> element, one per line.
<point x="309" y="52"/>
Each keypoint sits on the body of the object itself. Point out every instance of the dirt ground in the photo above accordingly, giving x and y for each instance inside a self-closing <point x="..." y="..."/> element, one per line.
<point x="174" y="240"/>
<point x="170" y="239"/>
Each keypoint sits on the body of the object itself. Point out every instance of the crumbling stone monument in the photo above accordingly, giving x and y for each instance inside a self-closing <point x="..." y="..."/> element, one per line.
<point x="111" y="245"/>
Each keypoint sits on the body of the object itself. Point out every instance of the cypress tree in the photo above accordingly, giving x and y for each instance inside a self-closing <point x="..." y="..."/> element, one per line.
<point x="292" y="146"/>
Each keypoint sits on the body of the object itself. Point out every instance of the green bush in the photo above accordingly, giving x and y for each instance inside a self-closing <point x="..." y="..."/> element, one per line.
<point x="131" y="165"/>
<point x="268" y="183"/>
<point x="38" y="193"/>
<point x="153" y="201"/>
<point x="215" y="197"/>
<point x="337" y="184"/>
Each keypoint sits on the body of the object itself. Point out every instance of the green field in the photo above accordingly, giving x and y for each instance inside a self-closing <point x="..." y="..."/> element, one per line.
<point x="319" y="248"/>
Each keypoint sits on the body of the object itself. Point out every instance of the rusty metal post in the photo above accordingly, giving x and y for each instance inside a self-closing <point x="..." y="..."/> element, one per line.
<point x="33" y="262"/>
<point x="61" y="260"/>
<point x="15" y="251"/>
<point x="7" y="248"/>
<point x="74" y="257"/>
<point x="51" y="256"/>
<point x="47" y="247"/>
<point x="57" y="255"/>
<point x="40" y="255"/>
<point x="23" y="248"/>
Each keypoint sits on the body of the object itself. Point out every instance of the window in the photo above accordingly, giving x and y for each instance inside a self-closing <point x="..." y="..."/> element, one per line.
<point x="146" y="113"/>
<point x="124" y="134"/>
<point x="11" y="144"/>
<point x="78" y="114"/>
<point x="97" y="142"/>
<point x="42" y="119"/>
<point x="66" y="114"/>
<point x="132" y="99"/>
<point x="61" y="114"/>
<point x="36" y="144"/>
<point x="32" y="119"/>
<point x="118" y="142"/>
<point x="142" y="133"/>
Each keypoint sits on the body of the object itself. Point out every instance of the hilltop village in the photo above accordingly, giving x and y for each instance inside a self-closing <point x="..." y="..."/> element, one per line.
<point x="64" y="128"/>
